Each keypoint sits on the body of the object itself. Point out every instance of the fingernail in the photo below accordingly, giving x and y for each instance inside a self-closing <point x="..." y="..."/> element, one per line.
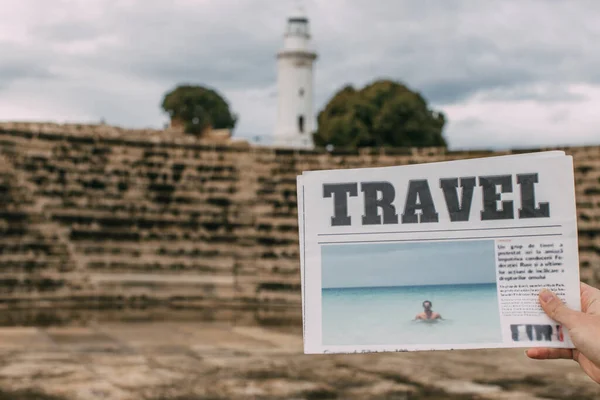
<point x="546" y="295"/>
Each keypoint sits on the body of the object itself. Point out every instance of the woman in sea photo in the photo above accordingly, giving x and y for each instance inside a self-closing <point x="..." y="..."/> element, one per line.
<point x="428" y="313"/>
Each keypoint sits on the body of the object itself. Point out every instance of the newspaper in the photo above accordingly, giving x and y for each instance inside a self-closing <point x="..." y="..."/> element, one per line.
<point x="439" y="256"/>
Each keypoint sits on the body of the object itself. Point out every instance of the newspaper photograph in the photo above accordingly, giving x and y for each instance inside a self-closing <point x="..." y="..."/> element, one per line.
<point x="438" y="256"/>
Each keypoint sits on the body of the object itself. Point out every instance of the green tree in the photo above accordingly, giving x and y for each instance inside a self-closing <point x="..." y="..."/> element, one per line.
<point x="383" y="113"/>
<point x="198" y="108"/>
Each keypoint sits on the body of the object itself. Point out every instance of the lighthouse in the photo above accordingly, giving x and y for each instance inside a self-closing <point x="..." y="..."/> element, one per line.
<point x="295" y="119"/>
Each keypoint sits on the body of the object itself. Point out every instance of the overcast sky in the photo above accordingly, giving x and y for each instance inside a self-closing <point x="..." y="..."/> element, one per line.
<point x="408" y="264"/>
<point x="515" y="73"/>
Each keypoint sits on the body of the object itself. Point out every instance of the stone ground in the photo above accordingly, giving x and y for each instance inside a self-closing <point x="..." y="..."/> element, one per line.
<point x="190" y="361"/>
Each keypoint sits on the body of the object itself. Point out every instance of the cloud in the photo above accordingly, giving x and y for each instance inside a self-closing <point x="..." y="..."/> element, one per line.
<point x="14" y="70"/>
<point x="542" y="93"/>
<point x="473" y="60"/>
<point x="525" y="123"/>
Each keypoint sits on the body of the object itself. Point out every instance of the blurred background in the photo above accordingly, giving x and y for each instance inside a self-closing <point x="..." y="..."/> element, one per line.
<point x="148" y="160"/>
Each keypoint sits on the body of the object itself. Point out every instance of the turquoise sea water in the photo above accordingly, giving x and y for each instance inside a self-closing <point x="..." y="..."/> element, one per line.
<point x="385" y="315"/>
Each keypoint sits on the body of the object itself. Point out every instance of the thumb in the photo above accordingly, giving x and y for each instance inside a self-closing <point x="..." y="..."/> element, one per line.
<point x="557" y="310"/>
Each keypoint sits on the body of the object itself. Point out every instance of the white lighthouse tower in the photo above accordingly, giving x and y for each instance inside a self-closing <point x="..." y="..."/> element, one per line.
<point x="294" y="126"/>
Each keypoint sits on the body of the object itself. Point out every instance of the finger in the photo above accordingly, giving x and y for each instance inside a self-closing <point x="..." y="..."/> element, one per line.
<point x="555" y="308"/>
<point x="549" y="354"/>
<point x="590" y="299"/>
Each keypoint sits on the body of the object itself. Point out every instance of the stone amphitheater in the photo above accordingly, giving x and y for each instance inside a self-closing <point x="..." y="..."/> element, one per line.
<point x="103" y="228"/>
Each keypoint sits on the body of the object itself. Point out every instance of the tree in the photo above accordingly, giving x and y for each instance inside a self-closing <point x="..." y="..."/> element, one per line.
<point x="198" y="108"/>
<point x="383" y="113"/>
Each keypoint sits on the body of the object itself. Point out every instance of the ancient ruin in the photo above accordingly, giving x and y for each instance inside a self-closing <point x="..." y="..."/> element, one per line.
<point x="101" y="217"/>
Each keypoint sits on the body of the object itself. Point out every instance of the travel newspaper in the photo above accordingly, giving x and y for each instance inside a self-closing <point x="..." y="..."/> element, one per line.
<point x="438" y="256"/>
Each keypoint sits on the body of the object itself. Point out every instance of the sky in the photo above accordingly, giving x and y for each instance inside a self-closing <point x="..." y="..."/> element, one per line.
<point x="408" y="264"/>
<point x="510" y="74"/>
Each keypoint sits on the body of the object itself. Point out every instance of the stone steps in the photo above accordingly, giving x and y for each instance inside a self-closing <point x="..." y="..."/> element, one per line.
<point x="93" y="213"/>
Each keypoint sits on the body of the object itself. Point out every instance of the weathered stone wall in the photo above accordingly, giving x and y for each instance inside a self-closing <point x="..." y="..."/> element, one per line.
<point x="107" y="218"/>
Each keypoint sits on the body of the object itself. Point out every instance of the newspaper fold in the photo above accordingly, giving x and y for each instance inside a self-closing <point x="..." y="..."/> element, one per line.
<point x="448" y="255"/>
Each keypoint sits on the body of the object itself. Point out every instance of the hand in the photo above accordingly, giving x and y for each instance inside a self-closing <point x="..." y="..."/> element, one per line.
<point x="583" y="327"/>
